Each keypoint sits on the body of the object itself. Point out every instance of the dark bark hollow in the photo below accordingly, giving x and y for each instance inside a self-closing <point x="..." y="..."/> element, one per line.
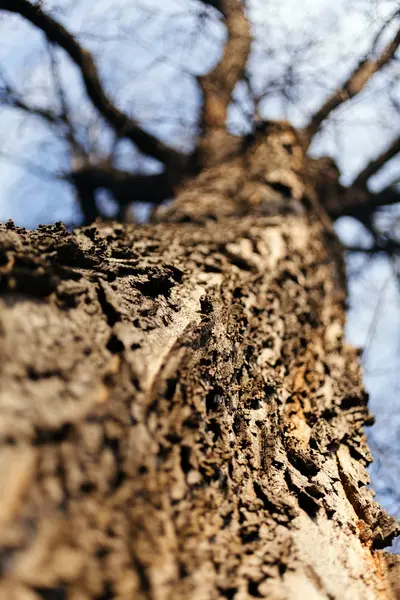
<point x="179" y="414"/>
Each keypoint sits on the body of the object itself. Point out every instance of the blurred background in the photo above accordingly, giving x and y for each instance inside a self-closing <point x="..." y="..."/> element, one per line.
<point x="148" y="54"/>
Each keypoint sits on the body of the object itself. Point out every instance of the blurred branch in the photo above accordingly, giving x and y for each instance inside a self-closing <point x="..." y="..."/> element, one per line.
<point x="125" y="187"/>
<point x="59" y="122"/>
<point x="32" y="167"/>
<point x="376" y="164"/>
<point x="86" y="197"/>
<point x="355" y="200"/>
<point x="361" y="203"/>
<point x="218" y="4"/>
<point x="218" y="85"/>
<point x="65" y="113"/>
<point x="355" y="83"/>
<point x="373" y="327"/>
<point x="9" y="96"/>
<point x="89" y="171"/>
<point x="389" y="247"/>
<point x="122" y="123"/>
<point x="15" y="102"/>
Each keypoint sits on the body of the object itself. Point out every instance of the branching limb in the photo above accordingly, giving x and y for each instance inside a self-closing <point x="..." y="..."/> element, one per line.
<point x="360" y="203"/>
<point x="32" y="167"/>
<point x="376" y="164"/>
<point x="76" y="148"/>
<point x="125" y="187"/>
<point x="218" y="85"/>
<point x="86" y="197"/>
<point x="389" y="247"/>
<point x="119" y="121"/>
<point x="9" y="96"/>
<point x="357" y="200"/>
<point x="59" y="121"/>
<point x="354" y="84"/>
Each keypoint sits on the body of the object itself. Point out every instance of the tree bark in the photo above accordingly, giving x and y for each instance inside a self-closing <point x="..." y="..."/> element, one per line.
<point x="180" y="415"/>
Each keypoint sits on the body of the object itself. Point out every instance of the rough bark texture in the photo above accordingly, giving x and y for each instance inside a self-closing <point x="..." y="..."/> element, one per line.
<point x="180" y="416"/>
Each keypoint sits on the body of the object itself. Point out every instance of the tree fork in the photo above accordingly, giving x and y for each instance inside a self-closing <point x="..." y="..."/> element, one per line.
<point x="180" y="415"/>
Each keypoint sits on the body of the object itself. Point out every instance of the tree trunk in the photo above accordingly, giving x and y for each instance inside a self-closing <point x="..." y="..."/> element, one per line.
<point x="180" y="416"/>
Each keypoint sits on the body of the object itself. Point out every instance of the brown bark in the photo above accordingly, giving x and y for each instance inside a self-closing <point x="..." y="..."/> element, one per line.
<point x="180" y="415"/>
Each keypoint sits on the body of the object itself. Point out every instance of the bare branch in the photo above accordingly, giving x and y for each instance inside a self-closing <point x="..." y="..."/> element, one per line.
<point x="58" y="84"/>
<point x="10" y="97"/>
<point x="353" y="85"/>
<point x="122" y="123"/>
<point x="60" y="123"/>
<point x="355" y="201"/>
<point x="389" y="247"/>
<point x="218" y="85"/>
<point x="360" y="203"/>
<point x="15" y="102"/>
<point x="89" y="172"/>
<point x="76" y="147"/>
<point x="375" y="165"/>
<point x="382" y="29"/>
<point x="32" y="167"/>
<point x="86" y="197"/>
<point x="125" y="187"/>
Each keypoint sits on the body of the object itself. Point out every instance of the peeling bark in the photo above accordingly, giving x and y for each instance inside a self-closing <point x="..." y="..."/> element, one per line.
<point x="180" y="416"/>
